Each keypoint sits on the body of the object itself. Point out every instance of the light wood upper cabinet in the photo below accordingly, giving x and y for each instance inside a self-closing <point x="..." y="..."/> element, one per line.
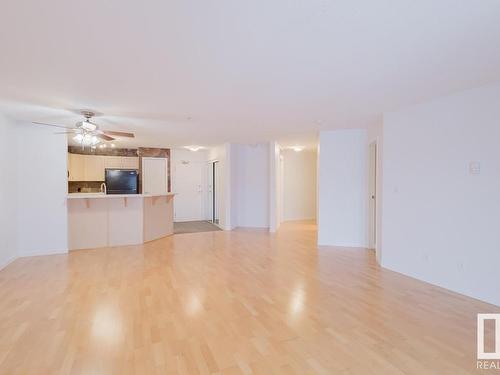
<point x="112" y="161"/>
<point x="92" y="167"/>
<point x="76" y="167"/>
<point x="130" y="162"/>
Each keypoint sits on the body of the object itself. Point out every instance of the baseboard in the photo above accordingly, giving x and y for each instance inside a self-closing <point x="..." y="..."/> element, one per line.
<point x="224" y="227"/>
<point x="252" y="228"/>
<point x="36" y="254"/>
<point x="188" y="220"/>
<point x="7" y="262"/>
<point x="345" y="245"/>
<point x="434" y="283"/>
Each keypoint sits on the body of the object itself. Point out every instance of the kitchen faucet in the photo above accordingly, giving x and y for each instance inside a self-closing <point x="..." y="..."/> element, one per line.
<point x="103" y="188"/>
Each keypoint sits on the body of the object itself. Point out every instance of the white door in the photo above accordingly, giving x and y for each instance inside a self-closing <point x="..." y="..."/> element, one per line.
<point x="372" y="197"/>
<point x="154" y="175"/>
<point x="188" y="187"/>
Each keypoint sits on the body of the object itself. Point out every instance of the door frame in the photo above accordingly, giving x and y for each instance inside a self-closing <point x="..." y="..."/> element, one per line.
<point x="373" y="155"/>
<point x="212" y="199"/>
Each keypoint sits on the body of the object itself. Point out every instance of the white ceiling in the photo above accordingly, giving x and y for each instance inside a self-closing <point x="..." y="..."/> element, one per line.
<point x="202" y="72"/>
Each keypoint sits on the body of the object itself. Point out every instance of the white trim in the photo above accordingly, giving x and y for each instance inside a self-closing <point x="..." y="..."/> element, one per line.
<point x="223" y="227"/>
<point x="7" y="262"/>
<point x="36" y="254"/>
<point x="189" y="219"/>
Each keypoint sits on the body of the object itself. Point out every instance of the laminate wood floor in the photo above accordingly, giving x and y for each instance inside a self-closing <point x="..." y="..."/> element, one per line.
<point x="238" y="302"/>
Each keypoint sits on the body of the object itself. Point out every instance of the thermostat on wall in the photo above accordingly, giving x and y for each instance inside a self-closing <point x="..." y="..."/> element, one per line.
<point x="474" y="167"/>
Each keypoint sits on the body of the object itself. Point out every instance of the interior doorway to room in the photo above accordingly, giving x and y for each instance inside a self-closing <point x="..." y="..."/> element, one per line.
<point x="297" y="185"/>
<point x="213" y="191"/>
<point x="372" y="195"/>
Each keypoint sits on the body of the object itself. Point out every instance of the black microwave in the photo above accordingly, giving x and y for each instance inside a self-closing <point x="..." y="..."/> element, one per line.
<point x="122" y="181"/>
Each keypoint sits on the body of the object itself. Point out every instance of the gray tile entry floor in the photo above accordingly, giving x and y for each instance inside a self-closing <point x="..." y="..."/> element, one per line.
<point x="194" y="227"/>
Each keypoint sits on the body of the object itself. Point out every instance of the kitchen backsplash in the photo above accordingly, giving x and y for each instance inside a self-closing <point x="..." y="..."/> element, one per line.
<point x="84" y="186"/>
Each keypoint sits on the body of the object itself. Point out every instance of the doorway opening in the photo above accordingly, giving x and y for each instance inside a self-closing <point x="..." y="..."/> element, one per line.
<point x="192" y="185"/>
<point x="297" y="186"/>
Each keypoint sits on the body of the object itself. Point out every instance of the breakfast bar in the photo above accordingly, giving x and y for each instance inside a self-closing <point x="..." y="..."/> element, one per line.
<point x="103" y="220"/>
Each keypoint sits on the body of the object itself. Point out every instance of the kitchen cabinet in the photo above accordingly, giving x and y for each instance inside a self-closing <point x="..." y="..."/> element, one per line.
<point x="113" y="162"/>
<point x="130" y="162"/>
<point x="92" y="167"/>
<point x="76" y="167"/>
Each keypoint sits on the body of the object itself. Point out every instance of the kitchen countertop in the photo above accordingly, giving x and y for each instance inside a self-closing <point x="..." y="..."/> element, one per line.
<point x="102" y="195"/>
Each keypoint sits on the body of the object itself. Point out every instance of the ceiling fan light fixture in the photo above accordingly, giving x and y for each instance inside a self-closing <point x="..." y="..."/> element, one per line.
<point x="87" y="134"/>
<point x="88" y="126"/>
<point x="86" y="139"/>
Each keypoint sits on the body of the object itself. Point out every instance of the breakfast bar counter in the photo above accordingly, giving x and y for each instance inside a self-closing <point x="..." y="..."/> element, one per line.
<point x="100" y="220"/>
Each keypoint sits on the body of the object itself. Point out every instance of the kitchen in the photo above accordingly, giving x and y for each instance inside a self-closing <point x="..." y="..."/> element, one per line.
<point x="118" y="196"/>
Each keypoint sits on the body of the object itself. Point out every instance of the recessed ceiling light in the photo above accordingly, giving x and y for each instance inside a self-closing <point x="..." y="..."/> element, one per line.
<point x="112" y="145"/>
<point x="297" y="148"/>
<point x="193" y="148"/>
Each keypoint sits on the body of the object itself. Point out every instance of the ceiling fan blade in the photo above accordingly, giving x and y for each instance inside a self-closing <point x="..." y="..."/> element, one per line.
<point x="54" y="125"/>
<point x="105" y="137"/>
<point x="119" y="134"/>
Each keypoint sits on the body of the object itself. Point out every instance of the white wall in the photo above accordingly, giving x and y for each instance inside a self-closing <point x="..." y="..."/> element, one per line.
<point x="250" y="185"/>
<point x="441" y="223"/>
<point x="343" y="188"/>
<point x="299" y="184"/>
<point x="177" y="154"/>
<point x="8" y="246"/>
<point x="275" y="195"/>
<point x="41" y="190"/>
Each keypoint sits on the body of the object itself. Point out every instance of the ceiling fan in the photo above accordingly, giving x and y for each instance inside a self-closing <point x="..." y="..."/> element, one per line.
<point x="87" y="133"/>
